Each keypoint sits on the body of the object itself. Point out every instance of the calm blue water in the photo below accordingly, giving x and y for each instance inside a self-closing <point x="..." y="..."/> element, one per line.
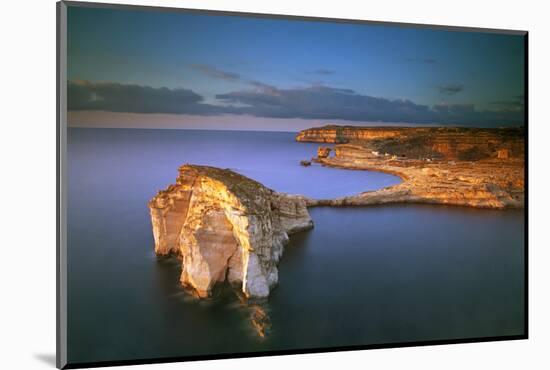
<point x="362" y="276"/>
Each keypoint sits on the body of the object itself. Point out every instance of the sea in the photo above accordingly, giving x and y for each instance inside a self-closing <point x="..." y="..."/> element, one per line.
<point x="371" y="275"/>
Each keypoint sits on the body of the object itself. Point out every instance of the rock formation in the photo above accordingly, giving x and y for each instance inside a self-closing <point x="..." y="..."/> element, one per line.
<point x="323" y="152"/>
<point x="225" y="227"/>
<point x="424" y="142"/>
<point x="454" y="166"/>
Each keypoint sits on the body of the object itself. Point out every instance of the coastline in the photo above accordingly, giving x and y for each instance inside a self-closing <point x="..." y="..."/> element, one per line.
<point x="438" y="175"/>
<point x="419" y="187"/>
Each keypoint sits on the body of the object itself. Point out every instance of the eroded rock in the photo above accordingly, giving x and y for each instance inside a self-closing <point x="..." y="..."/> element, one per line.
<point x="323" y="152"/>
<point x="424" y="142"/>
<point x="473" y="167"/>
<point x="225" y="226"/>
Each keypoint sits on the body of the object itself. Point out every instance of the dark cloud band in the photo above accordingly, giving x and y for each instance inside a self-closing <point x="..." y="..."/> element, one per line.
<point x="263" y="100"/>
<point x="213" y="72"/>
<point x="450" y="89"/>
<point x="116" y="97"/>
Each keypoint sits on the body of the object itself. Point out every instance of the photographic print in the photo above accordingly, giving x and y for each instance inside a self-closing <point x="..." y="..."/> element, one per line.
<point x="240" y="184"/>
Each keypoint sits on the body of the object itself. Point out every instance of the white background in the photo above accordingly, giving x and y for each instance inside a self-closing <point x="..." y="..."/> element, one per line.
<point x="27" y="185"/>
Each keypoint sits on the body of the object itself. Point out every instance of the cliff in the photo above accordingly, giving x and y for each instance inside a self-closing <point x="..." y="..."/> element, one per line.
<point x="454" y="166"/>
<point x="225" y="226"/>
<point x="425" y="142"/>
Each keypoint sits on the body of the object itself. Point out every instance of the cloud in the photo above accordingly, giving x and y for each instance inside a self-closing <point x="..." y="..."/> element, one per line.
<point x="450" y="89"/>
<point x="117" y="97"/>
<point x="322" y="71"/>
<point x="454" y="108"/>
<point x="468" y="115"/>
<point x="263" y="87"/>
<point x="323" y="102"/>
<point x="515" y="103"/>
<point x="264" y="100"/>
<point x="213" y="72"/>
<point x="329" y="103"/>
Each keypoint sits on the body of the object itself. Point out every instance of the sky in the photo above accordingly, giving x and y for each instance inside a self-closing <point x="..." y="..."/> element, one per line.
<point x="157" y="69"/>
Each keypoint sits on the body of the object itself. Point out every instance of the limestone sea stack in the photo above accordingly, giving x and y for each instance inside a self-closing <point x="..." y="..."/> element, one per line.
<point x="225" y="227"/>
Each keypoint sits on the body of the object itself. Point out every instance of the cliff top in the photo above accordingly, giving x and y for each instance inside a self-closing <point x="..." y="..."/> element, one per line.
<point x="454" y="129"/>
<point x="461" y="143"/>
<point x="248" y="191"/>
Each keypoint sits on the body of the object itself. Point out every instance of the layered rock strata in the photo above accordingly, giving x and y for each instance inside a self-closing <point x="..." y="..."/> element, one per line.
<point x="323" y="152"/>
<point x="455" y="166"/>
<point x="225" y="227"/>
<point x="455" y="143"/>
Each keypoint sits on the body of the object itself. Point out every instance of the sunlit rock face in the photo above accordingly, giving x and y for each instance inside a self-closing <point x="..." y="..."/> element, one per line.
<point x="225" y="227"/>
<point x="345" y="134"/>
<point x="472" y="167"/>
<point x="425" y="142"/>
<point x="323" y="152"/>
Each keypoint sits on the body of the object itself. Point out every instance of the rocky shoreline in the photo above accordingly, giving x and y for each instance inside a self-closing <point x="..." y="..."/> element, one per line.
<point x="226" y="227"/>
<point x="482" y="168"/>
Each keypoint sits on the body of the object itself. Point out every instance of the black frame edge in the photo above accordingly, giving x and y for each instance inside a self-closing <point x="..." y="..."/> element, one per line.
<point x="526" y="184"/>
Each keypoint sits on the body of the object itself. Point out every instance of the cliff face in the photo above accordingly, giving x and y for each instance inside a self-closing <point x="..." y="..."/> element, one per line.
<point x="456" y="166"/>
<point x="225" y="227"/>
<point x="425" y="142"/>
<point x="345" y="134"/>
